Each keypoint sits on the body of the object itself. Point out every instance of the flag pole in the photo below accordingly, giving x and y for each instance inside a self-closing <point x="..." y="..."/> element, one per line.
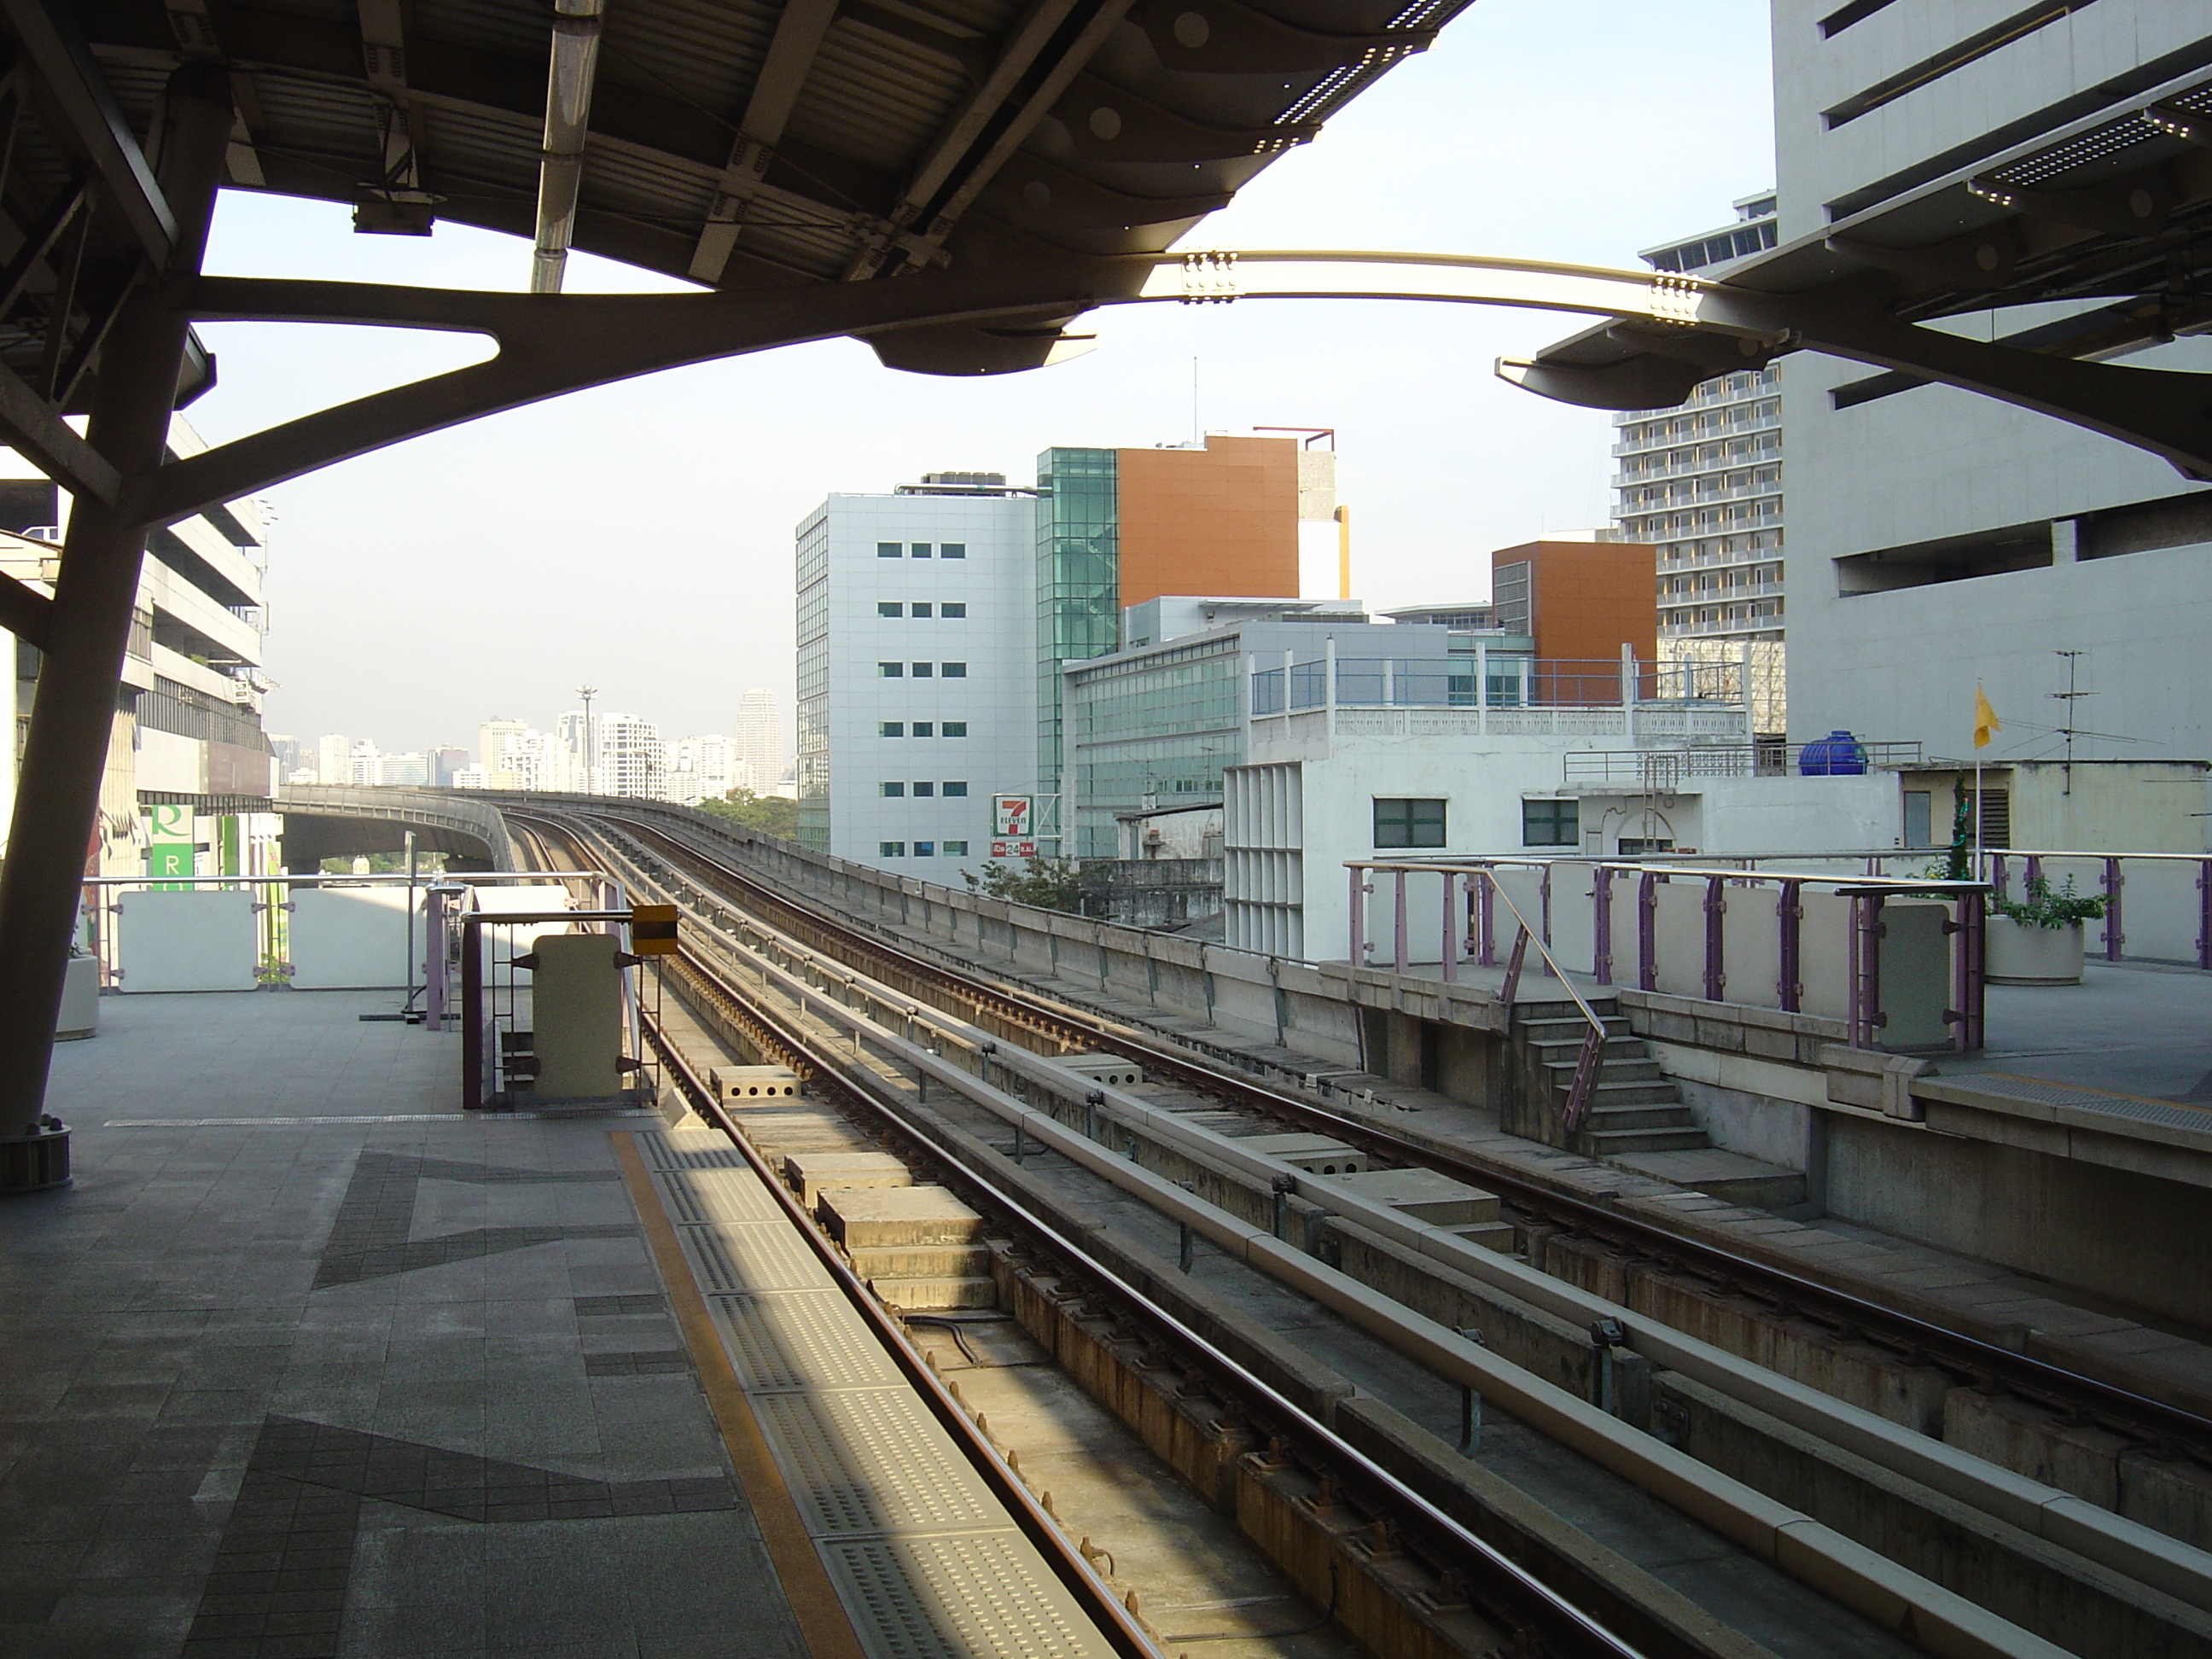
<point x="1977" y="815"/>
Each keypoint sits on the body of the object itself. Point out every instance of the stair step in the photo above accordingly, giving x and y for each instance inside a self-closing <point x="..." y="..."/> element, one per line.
<point x="1603" y="1093"/>
<point x="1656" y="1116"/>
<point x="1553" y="1049"/>
<point x="1562" y="1031"/>
<point x="1606" y="1143"/>
<point x="1611" y="1070"/>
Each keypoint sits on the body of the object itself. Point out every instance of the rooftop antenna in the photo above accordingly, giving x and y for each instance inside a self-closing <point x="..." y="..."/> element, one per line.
<point x="2069" y="697"/>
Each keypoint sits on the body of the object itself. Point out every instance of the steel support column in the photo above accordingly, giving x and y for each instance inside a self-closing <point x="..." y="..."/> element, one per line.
<point x="57" y="789"/>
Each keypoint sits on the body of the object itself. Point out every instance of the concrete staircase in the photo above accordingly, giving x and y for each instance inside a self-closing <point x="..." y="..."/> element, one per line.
<point x="1634" y="1107"/>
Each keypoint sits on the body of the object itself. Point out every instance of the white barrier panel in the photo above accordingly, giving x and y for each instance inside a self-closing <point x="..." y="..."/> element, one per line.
<point x="508" y="942"/>
<point x="351" y="939"/>
<point x="198" y="941"/>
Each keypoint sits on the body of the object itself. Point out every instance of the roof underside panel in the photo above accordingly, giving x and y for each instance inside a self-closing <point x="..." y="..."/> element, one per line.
<point x="1207" y="91"/>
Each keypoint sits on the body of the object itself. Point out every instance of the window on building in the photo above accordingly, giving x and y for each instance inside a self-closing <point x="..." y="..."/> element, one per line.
<point x="1409" y="822"/>
<point x="891" y="850"/>
<point x="923" y="671"/>
<point x="890" y="608"/>
<point x="921" y="610"/>
<point x="921" y="728"/>
<point x="894" y="790"/>
<point x="1919" y="818"/>
<point x="953" y="609"/>
<point x="897" y="729"/>
<point x="920" y="550"/>
<point x="887" y="549"/>
<point x="953" y="550"/>
<point x="1642" y="847"/>
<point x="956" y="849"/>
<point x="956" y="670"/>
<point x="955" y="728"/>
<point x="956" y="789"/>
<point x="890" y="670"/>
<point x="1551" y="824"/>
<point x="924" y="791"/>
<point x="923" y="849"/>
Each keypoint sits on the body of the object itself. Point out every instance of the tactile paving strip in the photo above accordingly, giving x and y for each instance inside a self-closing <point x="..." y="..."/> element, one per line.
<point x="2139" y="1106"/>
<point x="752" y="1256"/>
<point x="696" y="1197"/>
<point x="925" y="1560"/>
<point x="800" y="1339"/>
<point x="957" y="1597"/>
<point x="873" y="1461"/>
<point x="688" y="1149"/>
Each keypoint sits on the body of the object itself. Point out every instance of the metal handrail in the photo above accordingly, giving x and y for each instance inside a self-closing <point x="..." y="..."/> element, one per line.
<point x="1586" y="1062"/>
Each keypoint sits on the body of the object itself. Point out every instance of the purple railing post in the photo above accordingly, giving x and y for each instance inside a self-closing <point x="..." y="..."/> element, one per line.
<point x="1972" y="974"/>
<point x="1513" y="966"/>
<point x="2034" y="869"/>
<point x="1398" y="924"/>
<point x="1999" y="875"/>
<point x="1486" y="905"/>
<point x="1866" y="1017"/>
<point x="1355" y="943"/>
<point x="1601" y="924"/>
<point x="1450" y="931"/>
<point x="1544" y="917"/>
<point x="472" y="1031"/>
<point x="1586" y="1065"/>
<point x="2115" y="937"/>
<point x="1715" y="910"/>
<point x="2204" y="913"/>
<point x="1647" y="932"/>
<point x="1789" y="916"/>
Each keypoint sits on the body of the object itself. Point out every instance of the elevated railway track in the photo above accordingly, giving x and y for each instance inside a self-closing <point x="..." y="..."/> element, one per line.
<point x="885" y="1030"/>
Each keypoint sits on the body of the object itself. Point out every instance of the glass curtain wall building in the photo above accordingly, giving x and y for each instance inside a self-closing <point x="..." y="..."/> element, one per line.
<point x="1078" y="593"/>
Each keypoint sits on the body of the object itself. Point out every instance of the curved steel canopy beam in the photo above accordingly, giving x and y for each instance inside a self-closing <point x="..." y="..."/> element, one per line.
<point x="1667" y="333"/>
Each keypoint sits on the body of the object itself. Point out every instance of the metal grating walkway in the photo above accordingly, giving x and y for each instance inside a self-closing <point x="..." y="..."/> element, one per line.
<point x="927" y="1564"/>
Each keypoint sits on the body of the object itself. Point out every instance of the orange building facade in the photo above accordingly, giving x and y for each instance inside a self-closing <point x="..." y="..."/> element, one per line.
<point x="1580" y="601"/>
<point x="1221" y="520"/>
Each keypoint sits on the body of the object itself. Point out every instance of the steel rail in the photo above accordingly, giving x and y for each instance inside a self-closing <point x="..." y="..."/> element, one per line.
<point x="2164" y="1427"/>
<point x="1567" y="1629"/>
<point x="1075" y="1574"/>
<point x="1566" y="1626"/>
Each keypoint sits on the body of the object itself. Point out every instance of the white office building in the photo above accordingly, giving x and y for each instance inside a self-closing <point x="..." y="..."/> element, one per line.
<point x="1939" y="539"/>
<point x="627" y="757"/>
<point x="1702" y="484"/>
<point x="758" y="748"/>
<point x="702" y="768"/>
<point x="917" y="654"/>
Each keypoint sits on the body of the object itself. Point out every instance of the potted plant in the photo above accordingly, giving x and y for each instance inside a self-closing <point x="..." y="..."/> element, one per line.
<point x="2037" y="939"/>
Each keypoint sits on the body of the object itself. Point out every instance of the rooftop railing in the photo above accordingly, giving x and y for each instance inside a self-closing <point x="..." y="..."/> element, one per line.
<point x="1489" y="680"/>
<point x="1659" y="767"/>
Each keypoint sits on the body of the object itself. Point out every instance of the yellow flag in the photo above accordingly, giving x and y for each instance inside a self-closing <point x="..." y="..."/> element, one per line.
<point x="1985" y="721"/>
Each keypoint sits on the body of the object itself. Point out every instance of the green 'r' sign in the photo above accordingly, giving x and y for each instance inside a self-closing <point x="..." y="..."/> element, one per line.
<point x="169" y="845"/>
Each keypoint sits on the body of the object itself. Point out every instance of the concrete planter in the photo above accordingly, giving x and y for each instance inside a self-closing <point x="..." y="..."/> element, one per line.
<point x="80" y="1015"/>
<point x="2022" y="954"/>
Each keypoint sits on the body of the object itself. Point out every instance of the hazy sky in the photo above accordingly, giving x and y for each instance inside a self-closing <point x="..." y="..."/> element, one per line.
<point x="639" y="537"/>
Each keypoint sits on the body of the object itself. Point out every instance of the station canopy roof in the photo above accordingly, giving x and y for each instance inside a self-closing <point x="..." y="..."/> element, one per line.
<point x="755" y="143"/>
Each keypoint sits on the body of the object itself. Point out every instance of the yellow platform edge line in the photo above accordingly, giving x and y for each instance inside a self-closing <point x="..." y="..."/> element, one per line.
<point x="815" y="1606"/>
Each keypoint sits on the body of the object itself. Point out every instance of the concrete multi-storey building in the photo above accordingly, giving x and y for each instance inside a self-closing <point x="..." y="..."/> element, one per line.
<point x="627" y="756"/>
<point x="187" y="736"/>
<point x="917" y="685"/>
<point x="1939" y="539"/>
<point x="757" y="749"/>
<point x="1702" y="484"/>
<point x="1044" y="577"/>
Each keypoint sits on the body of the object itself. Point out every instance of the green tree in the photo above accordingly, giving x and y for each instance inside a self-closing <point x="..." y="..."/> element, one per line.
<point x="767" y="814"/>
<point x="1047" y="883"/>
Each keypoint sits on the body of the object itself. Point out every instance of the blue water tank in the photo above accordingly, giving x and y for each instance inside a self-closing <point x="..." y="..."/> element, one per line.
<point x="1839" y="755"/>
